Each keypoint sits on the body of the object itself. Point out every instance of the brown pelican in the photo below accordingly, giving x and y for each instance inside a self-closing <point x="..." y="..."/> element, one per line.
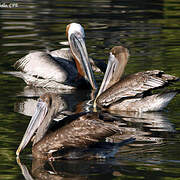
<point x="132" y="93"/>
<point x="56" y="69"/>
<point x="77" y="133"/>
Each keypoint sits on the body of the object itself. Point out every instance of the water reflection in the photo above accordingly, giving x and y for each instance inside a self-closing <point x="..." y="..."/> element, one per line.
<point x="76" y="169"/>
<point x="76" y="101"/>
<point x="147" y="128"/>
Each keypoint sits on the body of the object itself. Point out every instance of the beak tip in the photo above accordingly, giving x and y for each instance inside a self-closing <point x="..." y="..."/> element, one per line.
<point x="18" y="152"/>
<point x="93" y="84"/>
<point x="95" y="87"/>
<point x="94" y="107"/>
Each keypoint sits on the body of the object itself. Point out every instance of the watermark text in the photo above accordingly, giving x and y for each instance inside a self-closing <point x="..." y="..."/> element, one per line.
<point x="9" y="5"/>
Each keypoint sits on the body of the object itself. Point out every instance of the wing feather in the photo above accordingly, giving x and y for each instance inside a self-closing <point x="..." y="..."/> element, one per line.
<point x="82" y="132"/>
<point x="133" y="85"/>
<point x="41" y="64"/>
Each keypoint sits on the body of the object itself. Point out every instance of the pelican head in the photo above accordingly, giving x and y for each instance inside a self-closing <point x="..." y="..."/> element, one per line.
<point x="75" y="28"/>
<point x="48" y="105"/>
<point x="75" y="34"/>
<point x="117" y="61"/>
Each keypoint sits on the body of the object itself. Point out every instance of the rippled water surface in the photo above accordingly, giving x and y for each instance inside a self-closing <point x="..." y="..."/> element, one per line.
<point x="151" y="32"/>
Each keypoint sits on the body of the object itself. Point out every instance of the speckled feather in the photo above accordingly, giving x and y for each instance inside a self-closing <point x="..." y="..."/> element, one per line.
<point x="133" y="85"/>
<point x="82" y="132"/>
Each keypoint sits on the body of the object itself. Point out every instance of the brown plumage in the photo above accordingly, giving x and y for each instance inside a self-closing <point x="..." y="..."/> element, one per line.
<point x="132" y="93"/>
<point x="76" y="132"/>
<point x="80" y="133"/>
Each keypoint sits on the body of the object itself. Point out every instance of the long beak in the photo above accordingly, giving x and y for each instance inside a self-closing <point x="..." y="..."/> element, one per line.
<point x="80" y="54"/>
<point x="36" y="120"/>
<point x="108" y="74"/>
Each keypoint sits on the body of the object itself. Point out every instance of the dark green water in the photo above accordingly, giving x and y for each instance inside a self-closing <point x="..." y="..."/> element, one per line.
<point x="151" y="32"/>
